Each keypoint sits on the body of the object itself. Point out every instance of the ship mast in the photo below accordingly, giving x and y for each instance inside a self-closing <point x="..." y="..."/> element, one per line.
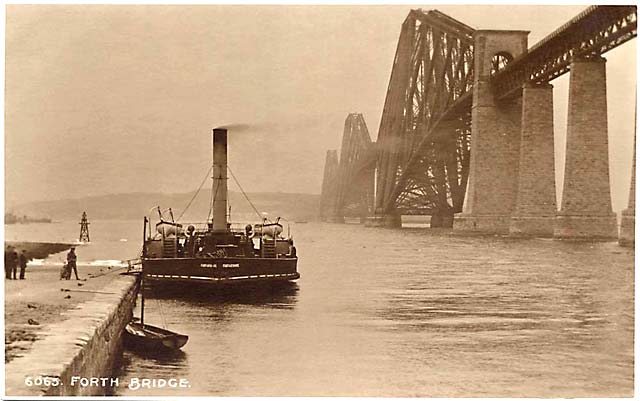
<point x="219" y="177"/>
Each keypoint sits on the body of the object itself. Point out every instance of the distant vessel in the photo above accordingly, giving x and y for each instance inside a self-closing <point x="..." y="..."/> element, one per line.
<point x="215" y="252"/>
<point x="11" y="218"/>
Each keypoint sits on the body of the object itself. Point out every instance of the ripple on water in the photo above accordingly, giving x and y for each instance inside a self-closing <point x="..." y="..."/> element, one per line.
<point x="410" y="313"/>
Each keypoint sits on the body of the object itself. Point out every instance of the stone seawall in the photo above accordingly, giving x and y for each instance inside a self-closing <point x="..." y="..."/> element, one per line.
<point x="85" y="345"/>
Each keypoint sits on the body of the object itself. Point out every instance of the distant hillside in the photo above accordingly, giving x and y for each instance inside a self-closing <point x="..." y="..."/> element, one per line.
<point x="137" y="205"/>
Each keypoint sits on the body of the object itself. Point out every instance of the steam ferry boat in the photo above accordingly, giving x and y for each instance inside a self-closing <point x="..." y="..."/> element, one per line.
<point x="216" y="252"/>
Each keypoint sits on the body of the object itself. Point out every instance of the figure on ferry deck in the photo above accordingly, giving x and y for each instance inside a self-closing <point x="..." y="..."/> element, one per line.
<point x="190" y="243"/>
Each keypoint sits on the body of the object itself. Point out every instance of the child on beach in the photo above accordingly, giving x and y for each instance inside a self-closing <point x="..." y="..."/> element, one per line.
<point x="65" y="272"/>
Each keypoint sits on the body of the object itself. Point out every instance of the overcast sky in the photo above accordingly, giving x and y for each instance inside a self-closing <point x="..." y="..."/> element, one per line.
<point x="115" y="99"/>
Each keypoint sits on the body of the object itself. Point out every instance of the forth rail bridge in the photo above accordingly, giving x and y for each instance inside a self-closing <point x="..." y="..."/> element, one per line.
<point x="466" y="134"/>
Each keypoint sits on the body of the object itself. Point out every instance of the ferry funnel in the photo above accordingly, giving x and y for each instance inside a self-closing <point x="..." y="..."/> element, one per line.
<point x="219" y="180"/>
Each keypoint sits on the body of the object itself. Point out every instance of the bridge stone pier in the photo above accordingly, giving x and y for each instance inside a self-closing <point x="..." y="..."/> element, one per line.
<point x="389" y="220"/>
<point x="627" y="235"/>
<point x="495" y="146"/>
<point x="535" y="210"/>
<point x="586" y="197"/>
<point x="511" y="187"/>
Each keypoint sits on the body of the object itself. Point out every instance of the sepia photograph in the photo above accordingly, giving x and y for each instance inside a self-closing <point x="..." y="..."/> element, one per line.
<point x="319" y="200"/>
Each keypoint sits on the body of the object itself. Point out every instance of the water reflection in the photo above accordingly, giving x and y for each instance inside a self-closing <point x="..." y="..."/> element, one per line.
<point x="280" y="295"/>
<point x="165" y="357"/>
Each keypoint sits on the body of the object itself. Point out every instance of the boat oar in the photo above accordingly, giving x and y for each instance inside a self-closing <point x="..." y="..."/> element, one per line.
<point x="96" y="292"/>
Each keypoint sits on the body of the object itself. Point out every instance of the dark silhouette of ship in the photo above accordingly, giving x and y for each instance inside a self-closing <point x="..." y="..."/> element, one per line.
<point x="215" y="252"/>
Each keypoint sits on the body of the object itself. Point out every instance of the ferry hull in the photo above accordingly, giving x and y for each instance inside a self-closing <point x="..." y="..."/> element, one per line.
<point x="220" y="271"/>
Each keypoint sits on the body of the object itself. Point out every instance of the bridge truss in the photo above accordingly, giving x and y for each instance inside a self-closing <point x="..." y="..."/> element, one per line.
<point x="423" y="141"/>
<point x="349" y="183"/>
<point x="591" y="33"/>
<point x="421" y="156"/>
<point x="329" y="181"/>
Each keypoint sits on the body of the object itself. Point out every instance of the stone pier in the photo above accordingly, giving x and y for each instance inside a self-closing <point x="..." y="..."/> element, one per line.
<point x="535" y="210"/>
<point x="495" y="145"/>
<point x="586" y="197"/>
<point x="627" y="236"/>
<point x="384" y="220"/>
<point x="85" y="343"/>
<point x="442" y="219"/>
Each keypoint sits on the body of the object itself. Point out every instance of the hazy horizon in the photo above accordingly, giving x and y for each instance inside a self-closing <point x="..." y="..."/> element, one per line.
<point x="116" y="99"/>
<point x="237" y="192"/>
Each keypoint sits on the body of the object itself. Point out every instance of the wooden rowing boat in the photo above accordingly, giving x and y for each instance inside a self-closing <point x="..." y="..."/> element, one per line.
<point x="144" y="337"/>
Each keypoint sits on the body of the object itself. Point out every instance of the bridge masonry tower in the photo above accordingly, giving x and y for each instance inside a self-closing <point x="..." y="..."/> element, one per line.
<point x="535" y="210"/>
<point x="495" y="146"/>
<point x="627" y="235"/>
<point x="511" y="188"/>
<point x="586" y="197"/>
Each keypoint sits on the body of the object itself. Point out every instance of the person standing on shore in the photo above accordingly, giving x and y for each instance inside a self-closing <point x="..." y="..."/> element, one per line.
<point x="6" y="263"/>
<point x="23" y="263"/>
<point x="71" y="261"/>
<point x="10" y="262"/>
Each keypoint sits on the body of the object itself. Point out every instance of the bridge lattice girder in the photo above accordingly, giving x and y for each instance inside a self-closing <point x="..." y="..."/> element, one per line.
<point x="591" y="33"/>
<point x="423" y="141"/>
<point x="328" y="194"/>
<point x="354" y="194"/>
<point x="347" y="187"/>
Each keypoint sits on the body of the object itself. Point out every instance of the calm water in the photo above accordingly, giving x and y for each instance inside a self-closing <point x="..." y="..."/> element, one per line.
<point x="402" y="313"/>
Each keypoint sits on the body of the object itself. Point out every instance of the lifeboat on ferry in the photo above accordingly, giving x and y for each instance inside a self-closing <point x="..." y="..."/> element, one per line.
<point x="270" y="230"/>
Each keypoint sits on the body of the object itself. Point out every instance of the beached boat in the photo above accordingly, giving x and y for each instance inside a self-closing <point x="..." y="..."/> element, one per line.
<point x="144" y="337"/>
<point x="216" y="252"/>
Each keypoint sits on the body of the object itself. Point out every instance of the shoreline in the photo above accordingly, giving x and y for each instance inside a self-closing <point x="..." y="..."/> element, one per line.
<point x="81" y="335"/>
<point x="39" y="250"/>
<point x="42" y="299"/>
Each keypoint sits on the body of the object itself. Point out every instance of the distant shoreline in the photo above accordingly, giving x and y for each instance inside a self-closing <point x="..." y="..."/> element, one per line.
<point x="11" y="218"/>
<point x="133" y="206"/>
